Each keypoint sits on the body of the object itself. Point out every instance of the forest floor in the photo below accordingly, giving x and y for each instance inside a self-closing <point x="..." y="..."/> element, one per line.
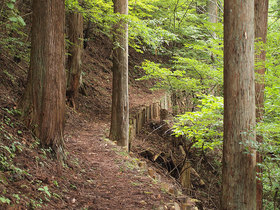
<point x="97" y="174"/>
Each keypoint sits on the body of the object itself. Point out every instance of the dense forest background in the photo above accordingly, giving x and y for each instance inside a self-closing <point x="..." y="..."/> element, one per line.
<point x="175" y="46"/>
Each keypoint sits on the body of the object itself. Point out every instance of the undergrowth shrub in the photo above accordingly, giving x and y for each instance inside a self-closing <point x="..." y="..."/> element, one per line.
<point x="203" y="128"/>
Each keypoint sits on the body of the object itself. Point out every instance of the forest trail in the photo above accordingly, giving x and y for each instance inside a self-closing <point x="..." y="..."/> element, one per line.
<point x="97" y="174"/>
<point x="114" y="178"/>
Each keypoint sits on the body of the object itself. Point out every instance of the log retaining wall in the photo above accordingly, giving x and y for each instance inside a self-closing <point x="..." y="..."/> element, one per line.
<point x="145" y="114"/>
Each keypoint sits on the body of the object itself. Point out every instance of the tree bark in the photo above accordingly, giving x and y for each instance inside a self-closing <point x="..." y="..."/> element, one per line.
<point x="213" y="11"/>
<point x="75" y="57"/>
<point x="261" y="18"/>
<point x="120" y="106"/>
<point x="43" y="104"/>
<point x="239" y="158"/>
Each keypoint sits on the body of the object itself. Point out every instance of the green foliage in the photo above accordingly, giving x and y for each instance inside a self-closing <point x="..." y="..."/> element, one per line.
<point x="196" y="68"/>
<point x="16" y="196"/>
<point x="204" y="127"/>
<point x="98" y="12"/>
<point x="12" y="36"/>
<point x="55" y="183"/>
<point x="45" y="189"/>
<point x="168" y="79"/>
<point x="147" y="33"/>
<point x="269" y="127"/>
<point x="5" y="200"/>
<point x="142" y="31"/>
<point x="197" y="72"/>
<point x="270" y="151"/>
<point x="12" y="14"/>
<point x="197" y="64"/>
<point x="10" y="146"/>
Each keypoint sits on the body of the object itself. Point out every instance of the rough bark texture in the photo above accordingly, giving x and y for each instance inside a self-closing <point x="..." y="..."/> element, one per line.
<point x="120" y="107"/>
<point x="261" y="17"/>
<point x="43" y="104"/>
<point x="213" y="11"/>
<point x="74" y="59"/>
<point x="239" y="159"/>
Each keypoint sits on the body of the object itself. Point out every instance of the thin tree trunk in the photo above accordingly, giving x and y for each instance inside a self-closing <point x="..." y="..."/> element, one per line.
<point x="213" y="11"/>
<point x="43" y="104"/>
<point x="261" y="18"/>
<point x="120" y="107"/>
<point x="87" y="33"/>
<point x="75" y="57"/>
<point x="239" y="158"/>
<point x="213" y="18"/>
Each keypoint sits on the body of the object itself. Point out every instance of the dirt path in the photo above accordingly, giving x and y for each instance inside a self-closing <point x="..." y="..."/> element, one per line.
<point x="114" y="179"/>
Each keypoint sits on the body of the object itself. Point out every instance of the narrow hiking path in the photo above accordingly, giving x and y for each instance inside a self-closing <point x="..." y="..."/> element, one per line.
<point x="114" y="179"/>
<point x="111" y="178"/>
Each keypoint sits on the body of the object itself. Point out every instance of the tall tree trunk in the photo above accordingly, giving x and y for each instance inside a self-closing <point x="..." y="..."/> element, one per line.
<point x="213" y="11"/>
<point x="239" y="158"/>
<point x="74" y="59"/>
<point x="43" y="104"/>
<point x="261" y="17"/>
<point x="120" y="107"/>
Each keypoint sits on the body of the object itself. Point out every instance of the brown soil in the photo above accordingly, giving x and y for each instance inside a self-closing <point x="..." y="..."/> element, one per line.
<point x="114" y="178"/>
